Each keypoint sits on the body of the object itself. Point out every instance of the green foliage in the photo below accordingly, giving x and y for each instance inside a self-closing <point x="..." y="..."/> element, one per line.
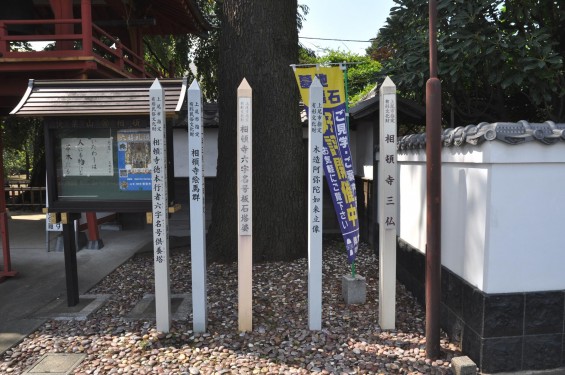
<point x="23" y="145"/>
<point x="301" y="14"/>
<point x="356" y="97"/>
<point x="168" y="53"/>
<point x="205" y="57"/>
<point x="21" y="46"/>
<point x="179" y="52"/>
<point x="189" y="55"/>
<point x="498" y="60"/>
<point x="14" y="162"/>
<point x="306" y="55"/>
<point x="362" y="71"/>
<point x="206" y="54"/>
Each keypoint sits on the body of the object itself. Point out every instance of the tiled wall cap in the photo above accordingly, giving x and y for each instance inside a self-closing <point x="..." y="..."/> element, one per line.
<point x="508" y="132"/>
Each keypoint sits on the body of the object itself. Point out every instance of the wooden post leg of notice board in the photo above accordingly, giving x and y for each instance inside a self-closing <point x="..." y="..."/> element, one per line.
<point x="71" y="269"/>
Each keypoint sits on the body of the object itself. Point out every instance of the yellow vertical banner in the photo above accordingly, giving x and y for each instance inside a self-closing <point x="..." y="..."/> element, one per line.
<point x="337" y="158"/>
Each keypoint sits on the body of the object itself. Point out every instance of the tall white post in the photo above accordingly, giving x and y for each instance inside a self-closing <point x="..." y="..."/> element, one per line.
<point x="244" y="207"/>
<point x="197" y="210"/>
<point x="160" y="204"/>
<point x="388" y="205"/>
<point x="315" y="203"/>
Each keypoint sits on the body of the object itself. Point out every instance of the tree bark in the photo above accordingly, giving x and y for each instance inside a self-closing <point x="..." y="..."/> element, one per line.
<point x="259" y="41"/>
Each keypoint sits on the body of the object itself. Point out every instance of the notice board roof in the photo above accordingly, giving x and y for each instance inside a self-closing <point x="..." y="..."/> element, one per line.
<point x="101" y="97"/>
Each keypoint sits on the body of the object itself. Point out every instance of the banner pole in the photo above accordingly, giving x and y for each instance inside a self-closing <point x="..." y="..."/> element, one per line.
<point x="343" y="67"/>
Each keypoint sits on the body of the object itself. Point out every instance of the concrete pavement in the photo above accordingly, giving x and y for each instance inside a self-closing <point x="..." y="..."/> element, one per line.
<point x="41" y="274"/>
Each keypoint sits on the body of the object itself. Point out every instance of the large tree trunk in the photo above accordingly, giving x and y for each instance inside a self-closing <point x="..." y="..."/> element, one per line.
<point x="258" y="41"/>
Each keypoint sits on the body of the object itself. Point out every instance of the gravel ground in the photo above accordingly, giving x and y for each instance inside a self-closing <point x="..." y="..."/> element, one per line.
<point x="350" y="341"/>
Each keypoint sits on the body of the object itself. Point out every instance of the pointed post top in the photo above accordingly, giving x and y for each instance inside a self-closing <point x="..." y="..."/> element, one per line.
<point x="316" y="83"/>
<point x="244" y="89"/>
<point x="156" y="85"/>
<point x="194" y="86"/>
<point x="388" y="87"/>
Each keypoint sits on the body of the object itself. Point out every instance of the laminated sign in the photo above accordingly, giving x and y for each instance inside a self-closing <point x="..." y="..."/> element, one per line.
<point x="337" y="159"/>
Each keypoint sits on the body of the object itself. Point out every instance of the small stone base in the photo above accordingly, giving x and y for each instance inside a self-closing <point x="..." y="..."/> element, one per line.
<point x="59" y="310"/>
<point x="114" y="226"/>
<point x="60" y="243"/>
<point x="181" y="307"/>
<point x="56" y="364"/>
<point x="354" y="289"/>
<point x="463" y="366"/>
<point x="95" y="245"/>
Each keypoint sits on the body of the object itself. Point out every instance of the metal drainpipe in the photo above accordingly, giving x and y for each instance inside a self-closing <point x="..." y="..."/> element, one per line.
<point x="433" y="195"/>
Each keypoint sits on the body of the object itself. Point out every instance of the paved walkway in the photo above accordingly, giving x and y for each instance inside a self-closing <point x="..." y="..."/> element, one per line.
<point x="41" y="274"/>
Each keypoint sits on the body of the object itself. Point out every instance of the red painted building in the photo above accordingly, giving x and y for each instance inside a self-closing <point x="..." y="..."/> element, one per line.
<point x="88" y="39"/>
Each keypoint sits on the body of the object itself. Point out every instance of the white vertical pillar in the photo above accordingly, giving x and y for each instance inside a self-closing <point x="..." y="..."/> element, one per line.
<point x="244" y="207"/>
<point x="315" y="203"/>
<point x="197" y="209"/>
<point x="388" y="205"/>
<point x="160" y="207"/>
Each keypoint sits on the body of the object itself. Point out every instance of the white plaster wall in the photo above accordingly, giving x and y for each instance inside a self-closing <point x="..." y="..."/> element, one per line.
<point x="501" y="214"/>
<point x="465" y="192"/>
<point x="180" y="147"/>
<point x="412" y="185"/>
<point x="526" y="246"/>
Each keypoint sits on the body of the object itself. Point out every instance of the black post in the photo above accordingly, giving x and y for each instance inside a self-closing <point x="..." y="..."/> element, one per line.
<point x="71" y="271"/>
<point x="433" y="198"/>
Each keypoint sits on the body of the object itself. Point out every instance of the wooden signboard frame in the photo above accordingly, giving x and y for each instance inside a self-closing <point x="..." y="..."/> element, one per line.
<point x="108" y="196"/>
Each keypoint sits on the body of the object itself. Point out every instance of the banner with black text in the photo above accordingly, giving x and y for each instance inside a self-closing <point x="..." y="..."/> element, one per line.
<point x="337" y="158"/>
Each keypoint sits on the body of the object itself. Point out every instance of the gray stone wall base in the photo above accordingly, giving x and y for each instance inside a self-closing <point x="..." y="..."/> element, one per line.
<point x="500" y="332"/>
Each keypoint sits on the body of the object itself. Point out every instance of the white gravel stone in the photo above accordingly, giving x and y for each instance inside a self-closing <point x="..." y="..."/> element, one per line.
<point x="350" y="342"/>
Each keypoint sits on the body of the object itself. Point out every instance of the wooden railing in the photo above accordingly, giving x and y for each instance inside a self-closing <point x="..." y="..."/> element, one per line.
<point x="23" y="197"/>
<point x="92" y="41"/>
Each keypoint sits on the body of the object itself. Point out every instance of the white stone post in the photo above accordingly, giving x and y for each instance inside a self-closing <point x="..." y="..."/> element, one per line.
<point x="388" y="205"/>
<point x="244" y="207"/>
<point x="315" y="203"/>
<point x="197" y="208"/>
<point x="160" y="207"/>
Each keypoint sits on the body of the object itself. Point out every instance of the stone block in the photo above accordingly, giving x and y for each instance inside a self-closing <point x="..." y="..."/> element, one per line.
<point x="463" y="366"/>
<point x="354" y="289"/>
<point x="95" y="244"/>
<point x="81" y="242"/>
<point x="56" y="363"/>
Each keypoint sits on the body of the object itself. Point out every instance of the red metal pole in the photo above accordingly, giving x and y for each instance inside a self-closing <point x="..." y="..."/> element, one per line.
<point x="7" y="271"/>
<point x="433" y="198"/>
